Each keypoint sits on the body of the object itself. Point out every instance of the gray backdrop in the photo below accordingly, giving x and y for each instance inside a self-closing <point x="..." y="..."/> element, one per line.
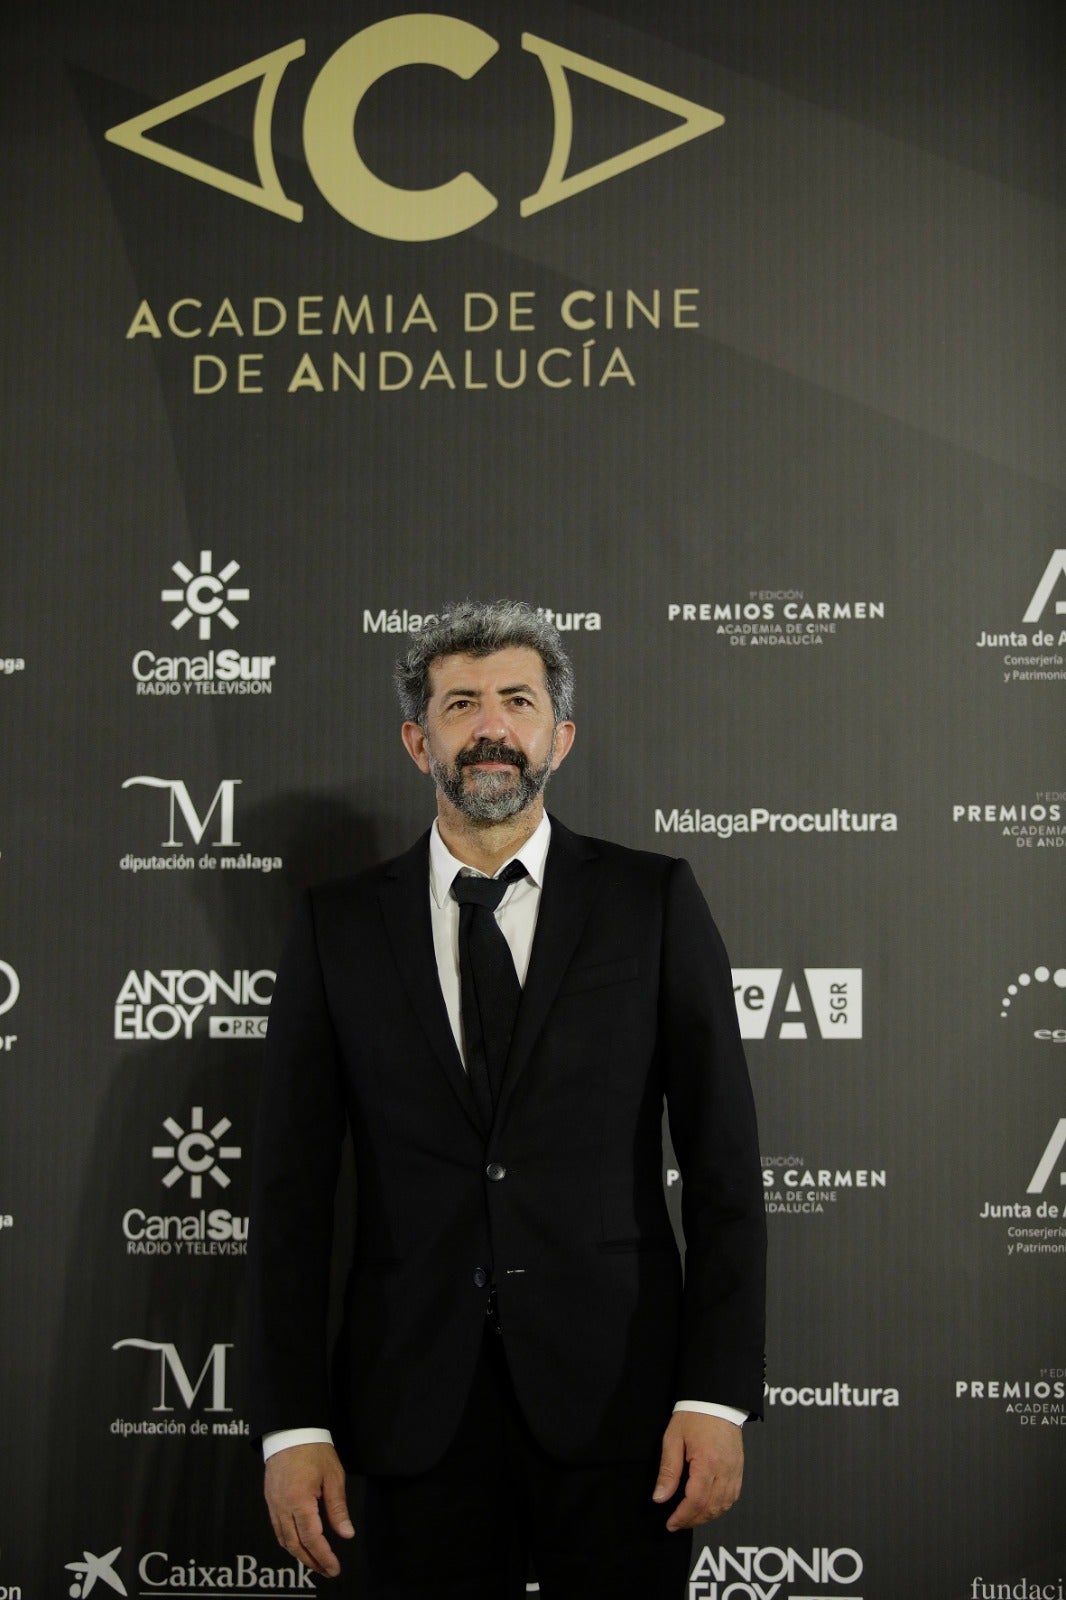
<point x="807" y="489"/>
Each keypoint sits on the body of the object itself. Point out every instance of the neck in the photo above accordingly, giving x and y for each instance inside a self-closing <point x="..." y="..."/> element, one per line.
<point x="486" y="845"/>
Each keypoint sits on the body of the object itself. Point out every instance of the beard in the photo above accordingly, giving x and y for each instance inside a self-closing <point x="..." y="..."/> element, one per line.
<point x="490" y="796"/>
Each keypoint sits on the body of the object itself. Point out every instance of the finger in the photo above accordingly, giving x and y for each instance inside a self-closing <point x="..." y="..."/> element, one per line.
<point x="314" y="1548"/>
<point x="670" y="1464"/>
<point x="704" y="1500"/>
<point x="335" y="1502"/>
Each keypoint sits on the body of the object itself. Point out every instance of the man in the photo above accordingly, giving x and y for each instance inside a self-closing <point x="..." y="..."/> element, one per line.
<point x="519" y="1369"/>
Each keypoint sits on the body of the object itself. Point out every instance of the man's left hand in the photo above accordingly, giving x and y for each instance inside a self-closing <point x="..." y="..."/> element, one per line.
<point x="713" y="1451"/>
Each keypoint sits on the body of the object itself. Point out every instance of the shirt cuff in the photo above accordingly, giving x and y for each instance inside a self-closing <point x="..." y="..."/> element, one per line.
<point x="709" y="1409"/>
<point x="283" y="1438"/>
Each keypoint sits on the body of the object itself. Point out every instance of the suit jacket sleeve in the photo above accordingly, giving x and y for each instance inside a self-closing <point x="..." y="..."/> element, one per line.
<point x="712" y="1124"/>
<point x="300" y="1129"/>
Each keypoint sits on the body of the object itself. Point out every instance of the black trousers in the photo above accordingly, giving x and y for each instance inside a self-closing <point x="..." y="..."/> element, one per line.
<point x="498" y="1512"/>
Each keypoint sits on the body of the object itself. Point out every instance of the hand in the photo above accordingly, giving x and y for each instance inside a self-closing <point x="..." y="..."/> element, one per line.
<point x="294" y="1482"/>
<point x="714" y="1452"/>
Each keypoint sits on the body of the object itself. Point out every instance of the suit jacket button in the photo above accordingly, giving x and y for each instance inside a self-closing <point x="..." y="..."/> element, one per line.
<point x="481" y="1277"/>
<point x="495" y="1171"/>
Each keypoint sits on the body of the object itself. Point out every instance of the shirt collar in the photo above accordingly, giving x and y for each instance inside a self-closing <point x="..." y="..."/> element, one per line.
<point x="443" y="866"/>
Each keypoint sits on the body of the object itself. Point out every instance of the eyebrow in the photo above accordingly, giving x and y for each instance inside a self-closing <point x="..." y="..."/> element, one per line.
<point x="510" y="688"/>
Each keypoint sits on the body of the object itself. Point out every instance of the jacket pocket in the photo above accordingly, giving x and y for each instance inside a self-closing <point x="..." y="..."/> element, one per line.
<point x="600" y="975"/>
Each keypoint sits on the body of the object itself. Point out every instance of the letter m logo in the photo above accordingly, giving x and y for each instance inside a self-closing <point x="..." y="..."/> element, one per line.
<point x="170" y="1363"/>
<point x="181" y="801"/>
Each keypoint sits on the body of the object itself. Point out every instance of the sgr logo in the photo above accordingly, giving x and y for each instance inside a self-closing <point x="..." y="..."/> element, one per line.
<point x="180" y="800"/>
<point x="336" y="164"/>
<point x="819" y="1002"/>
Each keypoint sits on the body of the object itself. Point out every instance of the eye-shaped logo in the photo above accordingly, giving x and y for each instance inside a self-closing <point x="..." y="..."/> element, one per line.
<point x="206" y="595"/>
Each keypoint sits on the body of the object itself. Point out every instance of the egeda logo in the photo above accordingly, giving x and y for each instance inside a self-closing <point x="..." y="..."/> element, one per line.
<point x="815" y="1003"/>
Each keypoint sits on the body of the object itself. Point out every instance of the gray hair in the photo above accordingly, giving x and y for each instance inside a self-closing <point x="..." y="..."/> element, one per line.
<point x="472" y="629"/>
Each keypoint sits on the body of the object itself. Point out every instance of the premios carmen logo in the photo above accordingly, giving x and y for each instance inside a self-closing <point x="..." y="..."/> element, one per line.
<point x="186" y="825"/>
<point x="206" y="598"/>
<point x="174" y="1002"/>
<point x="815" y="1003"/>
<point x="343" y="176"/>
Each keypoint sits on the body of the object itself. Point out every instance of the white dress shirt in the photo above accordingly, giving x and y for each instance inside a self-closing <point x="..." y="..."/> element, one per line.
<point x="517" y="917"/>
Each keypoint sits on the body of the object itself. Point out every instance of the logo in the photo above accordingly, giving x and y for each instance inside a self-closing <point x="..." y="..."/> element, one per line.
<point x="1047" y="1234"/>
<point x="1036" y="656"/>
<point x="180" y="801"/>
<point x="833" y="1395"/>
<point x="169" y="1004"/>
<point x="9" y="987"/>
<point x="400" y="620"/>
<point x="1031" y="824"/>
<point x="1036" y="1402"/>
<point x="791" y="1187"/>
<point x="206" y="1393"/>
<point x="773" y="1572"/>
<point x="204" y="595"/>
<point x="194" y="1153"/>
<point x="208" y="597"/>
<point x="725" y="825"/>
<point x="10" y="664"/>
<point x="336" y="164"/>
<point x="817" y="1003"/>
<point x="91" y="1570"/>
<point x="173" y="1578"/>
<point x="182" y="813"/>
<point x="770" y="618"/>
<point x="1029" y="983"/>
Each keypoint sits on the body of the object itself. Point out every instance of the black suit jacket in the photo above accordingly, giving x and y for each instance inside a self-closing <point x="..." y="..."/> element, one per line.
<point x="628" y="1000"/>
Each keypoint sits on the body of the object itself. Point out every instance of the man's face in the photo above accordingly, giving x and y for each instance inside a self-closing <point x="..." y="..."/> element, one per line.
<point x="490" y="740"/>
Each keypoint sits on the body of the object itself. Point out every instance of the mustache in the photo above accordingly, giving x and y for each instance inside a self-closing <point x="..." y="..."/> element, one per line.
<point x="492" y="750"/>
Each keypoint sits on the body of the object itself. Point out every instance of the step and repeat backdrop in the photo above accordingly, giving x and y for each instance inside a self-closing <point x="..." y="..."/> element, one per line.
<point x="731" y="336"/>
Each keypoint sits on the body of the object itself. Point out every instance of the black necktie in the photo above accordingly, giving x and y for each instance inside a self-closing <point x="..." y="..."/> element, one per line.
<point x="490" y="987"/>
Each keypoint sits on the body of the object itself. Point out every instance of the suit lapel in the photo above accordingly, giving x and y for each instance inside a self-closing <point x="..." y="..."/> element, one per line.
<point x="571" y="880"/>
<point x="404" y="897"/>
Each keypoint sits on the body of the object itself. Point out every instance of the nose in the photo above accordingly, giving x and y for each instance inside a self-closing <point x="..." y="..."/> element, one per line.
<point x="490" y="724"/>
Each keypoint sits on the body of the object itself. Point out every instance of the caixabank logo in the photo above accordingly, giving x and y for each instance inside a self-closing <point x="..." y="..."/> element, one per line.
<point x="806" y="1003"/>
<point x="776" y="1572"/>
<point x="188" y="826"/>
<point x="1036" y="651"/>
<point x="176" y="1577"/>
<point x="205" y="607"/>
<point x="197" y="1158"/>
<point x="177" y="1003"/>
<point x="341" y="172"/>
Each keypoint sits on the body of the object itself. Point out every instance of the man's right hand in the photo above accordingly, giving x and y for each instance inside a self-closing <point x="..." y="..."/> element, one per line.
<point x="295" y="1481"/>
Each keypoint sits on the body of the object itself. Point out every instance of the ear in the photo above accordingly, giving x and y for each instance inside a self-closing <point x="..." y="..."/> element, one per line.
<point x="564" y="739"/>
<point x="414" y="739"/>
